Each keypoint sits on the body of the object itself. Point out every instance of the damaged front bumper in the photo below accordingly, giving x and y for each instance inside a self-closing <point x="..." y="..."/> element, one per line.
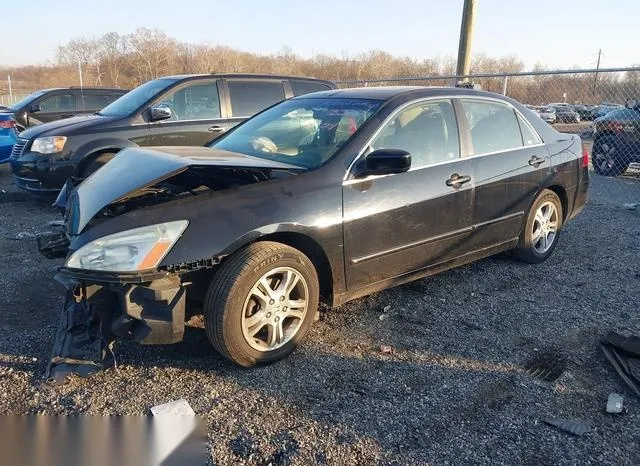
<point x="147" y="309"/>
<point x="100" y="307"/>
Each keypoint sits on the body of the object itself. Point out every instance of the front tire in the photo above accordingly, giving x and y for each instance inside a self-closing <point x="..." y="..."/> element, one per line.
<point x="606" y="158"/>
<point x="96" y="163"/>
<point x="542" y="230"/>
<point x="261" y="303"/>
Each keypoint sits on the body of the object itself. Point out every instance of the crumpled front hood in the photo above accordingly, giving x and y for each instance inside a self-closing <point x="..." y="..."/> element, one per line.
<point x="134" y="169"/>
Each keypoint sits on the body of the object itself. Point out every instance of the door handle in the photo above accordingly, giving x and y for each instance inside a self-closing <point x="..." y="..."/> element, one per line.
<point x="217" y="129"/>
<point x="455" y="181"/>
<point x="536" y="161"/>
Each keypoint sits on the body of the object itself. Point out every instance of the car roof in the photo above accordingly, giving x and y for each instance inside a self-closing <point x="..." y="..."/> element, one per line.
<point x="243" y="75"/>
<point x="84" y="88"/>
<point x="386" y="93"/>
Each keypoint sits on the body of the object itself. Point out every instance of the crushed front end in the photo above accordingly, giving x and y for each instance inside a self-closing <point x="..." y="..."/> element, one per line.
<point x="99" y="310"/>
<point x="119" y="226"/>
<point x="113" y="290"/>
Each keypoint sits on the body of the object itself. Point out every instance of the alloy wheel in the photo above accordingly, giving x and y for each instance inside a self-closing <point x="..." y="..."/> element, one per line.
<point x="545" y="227"/>
<point x="604" y="158"/>
<point x="275" y="309"/>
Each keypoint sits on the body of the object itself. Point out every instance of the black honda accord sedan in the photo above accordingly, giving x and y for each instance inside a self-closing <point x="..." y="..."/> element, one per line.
<point x="331" y="196"/>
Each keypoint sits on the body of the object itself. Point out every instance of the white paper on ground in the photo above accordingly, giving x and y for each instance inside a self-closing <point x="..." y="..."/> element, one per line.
<point x="173" y="408"/>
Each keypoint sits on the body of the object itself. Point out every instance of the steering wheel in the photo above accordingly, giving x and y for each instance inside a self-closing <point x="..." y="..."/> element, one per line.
<point x="264" y="144"/>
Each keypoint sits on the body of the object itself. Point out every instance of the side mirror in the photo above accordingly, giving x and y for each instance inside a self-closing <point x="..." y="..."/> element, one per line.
<point x="35" y="108"/>
<point x="159" y="113"/>
<point x="386" y="162"/>
<point x="632" y="103"/>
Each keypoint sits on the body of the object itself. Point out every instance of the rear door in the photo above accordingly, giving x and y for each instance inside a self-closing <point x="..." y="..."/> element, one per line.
<point x="400" y="223"/>
<point x="510" y="163"/>
<point x="246" y="97"/>
<point x="197" y="117"/>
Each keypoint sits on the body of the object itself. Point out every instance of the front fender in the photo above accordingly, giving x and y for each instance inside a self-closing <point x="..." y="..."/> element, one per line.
<point x="100" y="145"/>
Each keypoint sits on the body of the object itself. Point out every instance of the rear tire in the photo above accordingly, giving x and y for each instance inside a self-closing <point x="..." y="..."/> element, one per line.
<point x="542" y="230"/>
<point x="96" y="163"/>
<point x="261" y="303"/>
<point x="606" y="159"/>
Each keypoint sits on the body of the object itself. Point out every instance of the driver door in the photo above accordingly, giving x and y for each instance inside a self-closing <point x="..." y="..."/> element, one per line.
<point x="396" y="224"/>
<point x="196" y="117"/>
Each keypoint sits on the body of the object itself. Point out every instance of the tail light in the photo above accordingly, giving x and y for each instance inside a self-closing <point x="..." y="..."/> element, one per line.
<point x="615" y="126"/>
<point x="7" y="124"/>
<point x="585" y="157"/>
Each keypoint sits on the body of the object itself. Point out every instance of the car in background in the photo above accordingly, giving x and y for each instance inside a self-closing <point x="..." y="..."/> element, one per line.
<point x="8" y="135"/>
<point x="616" y="143"/>
<point x="184" y="110"/>
<point x="257" y="227"/>
<point x="547" y="114"/>
<point x="566" y="114"/>
<point x="56" y="104"/>
<point x="603" y="109"/>
<point x="586" y="112"/>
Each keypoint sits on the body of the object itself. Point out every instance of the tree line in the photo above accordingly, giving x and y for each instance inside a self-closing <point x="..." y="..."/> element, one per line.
<point x="127" y="60"/>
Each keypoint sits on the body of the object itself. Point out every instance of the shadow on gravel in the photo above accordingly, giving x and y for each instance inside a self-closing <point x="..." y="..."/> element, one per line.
<point x="24" y="196"/>
<point x="395" y="399"/>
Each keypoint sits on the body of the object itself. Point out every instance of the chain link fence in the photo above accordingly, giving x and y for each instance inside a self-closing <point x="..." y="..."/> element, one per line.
<point x="590" y="103"/>
<point x="7" y="100"/>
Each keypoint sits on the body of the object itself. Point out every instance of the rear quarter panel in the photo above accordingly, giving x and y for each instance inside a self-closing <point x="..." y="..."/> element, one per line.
<point x="567" y="172"/>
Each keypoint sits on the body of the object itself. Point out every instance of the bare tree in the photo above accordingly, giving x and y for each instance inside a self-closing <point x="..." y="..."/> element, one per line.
<point x="155" y="52"/>
<point x="130" y="60"/>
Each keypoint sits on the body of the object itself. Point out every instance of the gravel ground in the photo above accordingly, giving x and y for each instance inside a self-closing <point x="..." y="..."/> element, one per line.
<point x="452" y="389"/>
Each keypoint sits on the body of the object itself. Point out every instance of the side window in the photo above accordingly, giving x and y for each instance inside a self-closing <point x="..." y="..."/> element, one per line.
<point x="494" y="126"/>
<point x="198" y="101"/>
<point x="529" y="136"/>
<point x="249" y="97"/>
<point x="428" y="131"/>
<point x="58" y="103"/>
<point x="92" y="102"/>
<point x="307" y="87"/>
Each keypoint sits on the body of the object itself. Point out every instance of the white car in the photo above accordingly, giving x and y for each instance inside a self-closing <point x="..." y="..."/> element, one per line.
<point x="547" y="114"/>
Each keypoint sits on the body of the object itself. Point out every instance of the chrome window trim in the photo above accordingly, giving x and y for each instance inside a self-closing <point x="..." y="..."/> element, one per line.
<point x="346" y="181"/>
<point x="153" y="123"/>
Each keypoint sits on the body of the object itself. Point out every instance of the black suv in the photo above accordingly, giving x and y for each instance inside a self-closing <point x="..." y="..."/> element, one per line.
<point x="56" y="104"/>
<point x="186" y="110"/>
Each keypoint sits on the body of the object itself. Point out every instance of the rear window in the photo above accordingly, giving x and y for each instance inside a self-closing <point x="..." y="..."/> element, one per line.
<point x="249" y="97"/>
<point x="494" y="126"/>
<point x="307" y="87"/>
<point x="94" y="102"/>
<point x="624" y="114"/>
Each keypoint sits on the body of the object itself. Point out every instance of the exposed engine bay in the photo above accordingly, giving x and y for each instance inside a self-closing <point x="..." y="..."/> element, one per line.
<point x="194" y="181"/>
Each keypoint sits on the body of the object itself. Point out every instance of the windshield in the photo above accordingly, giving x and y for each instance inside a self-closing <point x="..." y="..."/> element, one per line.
<point x="132" y="100"/>
<point x="302" y="132"/>
<point x="30" y="98"/>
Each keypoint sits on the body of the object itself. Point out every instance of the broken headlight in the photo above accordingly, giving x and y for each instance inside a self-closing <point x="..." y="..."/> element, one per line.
<point x="128" y="251"/>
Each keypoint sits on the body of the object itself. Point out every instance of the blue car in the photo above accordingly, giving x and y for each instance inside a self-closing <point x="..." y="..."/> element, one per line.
<point x="8" y="135"/>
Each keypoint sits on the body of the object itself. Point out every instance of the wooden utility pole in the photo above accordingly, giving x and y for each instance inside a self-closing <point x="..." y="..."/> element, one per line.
<point x="595" y="80"/>
<point x="466" y="35"/>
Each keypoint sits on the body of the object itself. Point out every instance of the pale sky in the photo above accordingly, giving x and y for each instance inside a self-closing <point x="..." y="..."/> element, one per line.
<point x="556" y="33"/>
